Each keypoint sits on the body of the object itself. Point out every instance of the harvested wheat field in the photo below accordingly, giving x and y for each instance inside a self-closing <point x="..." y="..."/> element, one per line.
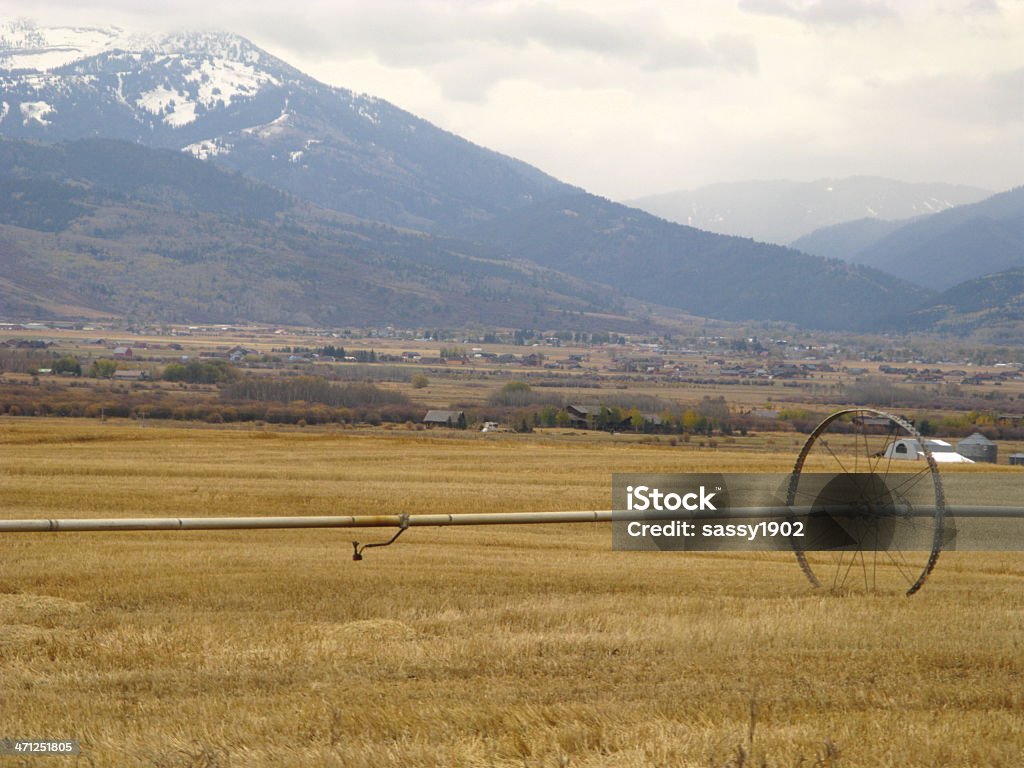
<point x="499" y="646"/>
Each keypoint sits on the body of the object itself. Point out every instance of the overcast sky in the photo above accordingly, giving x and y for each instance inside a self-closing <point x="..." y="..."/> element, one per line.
<point x="631" y="98"/>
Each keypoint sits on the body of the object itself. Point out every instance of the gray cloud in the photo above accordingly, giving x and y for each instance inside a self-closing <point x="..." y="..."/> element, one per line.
<point x="989" y="100"/>
<point x="821" y="12"/>
<point x="983" y="7"/>
<point x="724" y="52"/>
<point x="421" y="35"/>
<point x="502" y="43"/>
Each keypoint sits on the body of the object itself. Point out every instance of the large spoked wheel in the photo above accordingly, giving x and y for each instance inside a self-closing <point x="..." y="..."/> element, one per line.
<point x="876" y="518"/>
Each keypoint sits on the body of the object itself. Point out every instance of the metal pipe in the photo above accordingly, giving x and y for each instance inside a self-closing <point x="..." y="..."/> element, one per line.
<point x="481" y="518"/>
<point x="326" y="521"/>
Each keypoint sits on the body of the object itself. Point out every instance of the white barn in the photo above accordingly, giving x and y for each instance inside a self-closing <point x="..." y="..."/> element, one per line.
<point x="909" y="448"/>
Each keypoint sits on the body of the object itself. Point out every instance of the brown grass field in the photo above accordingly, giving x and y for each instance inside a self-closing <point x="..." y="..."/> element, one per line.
<point x="500" y="646"/>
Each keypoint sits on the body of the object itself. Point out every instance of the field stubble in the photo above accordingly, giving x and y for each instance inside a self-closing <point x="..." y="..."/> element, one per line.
<point x="528" y="646"/>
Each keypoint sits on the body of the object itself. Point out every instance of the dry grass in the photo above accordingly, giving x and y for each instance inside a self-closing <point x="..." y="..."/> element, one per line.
<point x="532" y="646"/>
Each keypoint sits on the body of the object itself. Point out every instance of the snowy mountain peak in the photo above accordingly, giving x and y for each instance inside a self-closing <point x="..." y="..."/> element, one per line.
<point x="220" y="98"/>
<point x="154" y="82"/>
<point x="199" y="43"/>
<point x="26" y="45"/>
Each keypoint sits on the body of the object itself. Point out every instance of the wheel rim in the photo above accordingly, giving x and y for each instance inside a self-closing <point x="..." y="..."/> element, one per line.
<point x="892" y="541"/>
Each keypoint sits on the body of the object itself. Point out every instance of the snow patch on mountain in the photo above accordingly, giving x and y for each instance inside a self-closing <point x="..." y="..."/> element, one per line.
<point x="364" y="111"/>
<point x="208" y="148"/>
<point x="159" y="99"/>
<point x="221" y="80"/>
<point x="37" y="111"/>
<point x="183" y="114"/>
<point x="174" y="105"/>
<point x="274" y="127"/>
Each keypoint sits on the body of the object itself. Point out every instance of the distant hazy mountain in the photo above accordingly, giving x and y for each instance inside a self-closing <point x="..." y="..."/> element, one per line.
<point x="782" y="211"/>
<point x="221" y="98"/>
<point x="935" y="251"/>
<point x="846" y="240"/>
<point x="700" y="272"/>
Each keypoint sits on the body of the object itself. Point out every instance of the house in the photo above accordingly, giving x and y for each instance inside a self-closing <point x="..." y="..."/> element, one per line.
<point x="122" y="353"/>
<point x="441" y="418"/>
<point x="583" y="416"/>
<point x="131" y="375"/>
<point x="653" y="420"/>
<point x="589" y="417"/>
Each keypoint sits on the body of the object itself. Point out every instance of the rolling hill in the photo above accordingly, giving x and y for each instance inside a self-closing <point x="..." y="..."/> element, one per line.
<point x="990" y="307"/>
<point x="101" y="227"/>
<point x="700" y="272"/>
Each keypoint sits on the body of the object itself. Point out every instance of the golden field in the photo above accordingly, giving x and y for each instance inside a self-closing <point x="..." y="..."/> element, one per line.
<point x="498" y="646"/>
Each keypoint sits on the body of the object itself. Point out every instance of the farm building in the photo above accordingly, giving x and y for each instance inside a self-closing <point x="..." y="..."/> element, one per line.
<point x="978" y="448"/>
<point x="130" y="375"/>
<point x="909" y="449"/>
<point x="440" y="418"/>
<point x="590" y="417"/>
<point x="1017" y="459"/>
<point x="583" y="416"/>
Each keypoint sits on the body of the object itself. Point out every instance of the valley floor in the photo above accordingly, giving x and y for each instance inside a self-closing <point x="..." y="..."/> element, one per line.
<point x="499" y="646"/>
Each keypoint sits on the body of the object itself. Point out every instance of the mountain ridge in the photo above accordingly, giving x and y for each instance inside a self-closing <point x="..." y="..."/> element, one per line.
<point x="782" y="211"/>
<point x="939" y="251"/>
<point x="697" y="271"/>
<point x="151" y="246"/>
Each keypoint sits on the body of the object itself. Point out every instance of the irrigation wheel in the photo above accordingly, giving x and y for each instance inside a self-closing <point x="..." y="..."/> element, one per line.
<point x="878" y="524"/>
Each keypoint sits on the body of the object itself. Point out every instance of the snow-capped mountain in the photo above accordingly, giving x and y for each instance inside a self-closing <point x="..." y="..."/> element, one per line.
<point x="220" y="98"/>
